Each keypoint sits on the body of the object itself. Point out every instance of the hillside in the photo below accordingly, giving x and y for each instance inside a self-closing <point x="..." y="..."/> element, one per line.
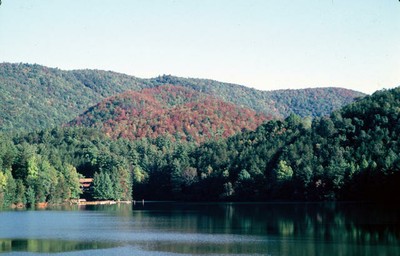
<point x="312" y="102"/>
<point x="37" y="97"/>
<point x="354" y="154"/>
<point x="183" y="113"/>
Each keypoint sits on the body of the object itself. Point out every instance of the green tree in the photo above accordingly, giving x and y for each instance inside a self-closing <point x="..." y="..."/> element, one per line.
<point x="3" y="184"/>
<point x="47" y="181"/>
<point x="284" y="172"/>
<point x="30" y="197"/>
<point x="139" y="175"/>
<point x="20" y="193"/>
<point x="7" y="189"/>
<point x="103" y="188"/>
<point x="71" y="179"/>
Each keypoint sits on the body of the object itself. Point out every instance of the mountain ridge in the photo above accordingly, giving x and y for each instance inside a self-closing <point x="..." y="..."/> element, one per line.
<point x="36" y="97"/>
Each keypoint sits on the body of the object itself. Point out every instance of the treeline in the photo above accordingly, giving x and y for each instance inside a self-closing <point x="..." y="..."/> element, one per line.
<point x="352" y="155"/>
<point x="39" y="97"/>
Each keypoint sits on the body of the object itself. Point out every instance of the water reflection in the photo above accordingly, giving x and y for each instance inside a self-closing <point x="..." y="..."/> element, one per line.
<point x="363" y="223"/>
<point x="306" y="229"/>
<point x="207" y="228"/>
<point x="50" y="246"/>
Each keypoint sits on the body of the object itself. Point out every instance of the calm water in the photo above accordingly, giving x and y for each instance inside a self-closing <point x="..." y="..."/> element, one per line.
<point x="204" y="229"/>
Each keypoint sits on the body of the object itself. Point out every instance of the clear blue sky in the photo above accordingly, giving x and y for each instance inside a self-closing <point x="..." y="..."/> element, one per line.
<point x="266" y="44"/>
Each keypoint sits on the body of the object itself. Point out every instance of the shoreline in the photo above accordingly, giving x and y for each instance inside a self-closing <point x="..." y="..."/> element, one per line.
<point x="103" y="202"/>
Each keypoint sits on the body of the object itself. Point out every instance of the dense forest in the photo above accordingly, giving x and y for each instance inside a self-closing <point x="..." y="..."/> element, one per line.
<point x="38" y="97"/>
<point x="353" y="154"/>
<point x="183" y="113"/>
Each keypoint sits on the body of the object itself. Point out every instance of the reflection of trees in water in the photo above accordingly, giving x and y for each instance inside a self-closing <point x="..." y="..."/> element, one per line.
<point x="326" y="222"/>
<point x="338" y="222"/>
<point x="283" y="229"/>
<point x="50" y="246"/>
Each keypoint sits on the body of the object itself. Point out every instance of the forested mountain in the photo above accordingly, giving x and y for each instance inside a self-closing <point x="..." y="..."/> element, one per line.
<point x="354" y="154"/>
<point x="181" y="112"/>
<point x="37" y="97"/>
<point x="279" y="103"/>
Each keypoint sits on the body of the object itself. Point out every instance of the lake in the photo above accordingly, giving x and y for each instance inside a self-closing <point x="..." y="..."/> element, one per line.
<point x="168" y="228"/>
